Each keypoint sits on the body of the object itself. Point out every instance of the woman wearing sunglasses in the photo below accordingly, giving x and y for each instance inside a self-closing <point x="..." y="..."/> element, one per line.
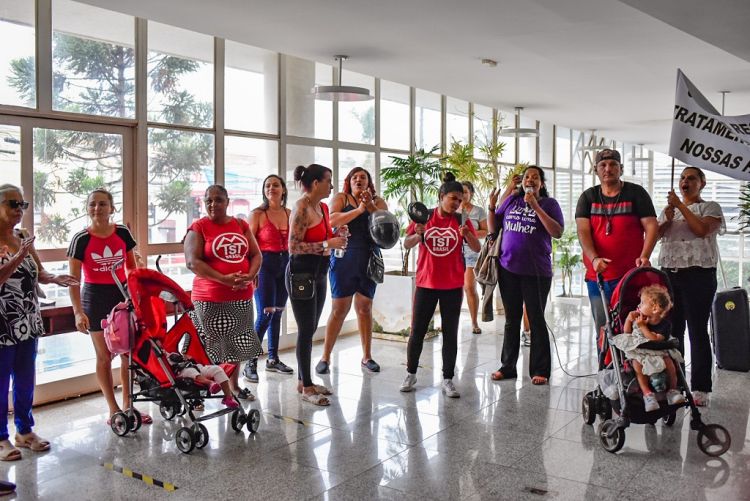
<point x="20" y="324"/>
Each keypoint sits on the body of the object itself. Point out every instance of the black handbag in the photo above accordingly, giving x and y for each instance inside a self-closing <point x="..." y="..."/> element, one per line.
<point x="300" y="286"/>
<point x="375" y="267"/>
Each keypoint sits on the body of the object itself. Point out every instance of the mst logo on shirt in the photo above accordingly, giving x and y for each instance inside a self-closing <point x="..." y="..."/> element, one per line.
<point x="441" y="241"/>
<point x="230" y="247"/>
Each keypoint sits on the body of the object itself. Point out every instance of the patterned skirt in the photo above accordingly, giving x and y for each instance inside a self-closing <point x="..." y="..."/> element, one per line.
<point x="227" y="330"/>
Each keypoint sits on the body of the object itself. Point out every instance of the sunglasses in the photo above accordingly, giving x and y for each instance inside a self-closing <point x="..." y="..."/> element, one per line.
<point x="15" y="204"/>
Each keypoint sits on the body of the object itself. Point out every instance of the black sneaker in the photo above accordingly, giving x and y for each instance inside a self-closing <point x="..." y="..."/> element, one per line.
<point x="278" y="366"/>
<point x="371" y="365"/>
<point x="251" y="371"/>
<point x="322" y="367"/>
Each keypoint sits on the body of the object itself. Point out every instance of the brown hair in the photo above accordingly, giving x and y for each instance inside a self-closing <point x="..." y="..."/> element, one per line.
<point x="305" y="176"/>
<point x="348" y="181"/>
<point x="106" y="192"/>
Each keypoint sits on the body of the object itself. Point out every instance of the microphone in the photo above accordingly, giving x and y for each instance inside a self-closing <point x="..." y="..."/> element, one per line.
<point x="528" y="189"/>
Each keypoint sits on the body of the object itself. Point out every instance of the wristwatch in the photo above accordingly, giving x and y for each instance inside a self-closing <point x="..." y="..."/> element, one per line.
<point x="325" y="244"/>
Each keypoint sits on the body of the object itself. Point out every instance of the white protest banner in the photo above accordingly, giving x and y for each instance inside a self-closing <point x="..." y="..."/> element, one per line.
<point x="704" y="138"/>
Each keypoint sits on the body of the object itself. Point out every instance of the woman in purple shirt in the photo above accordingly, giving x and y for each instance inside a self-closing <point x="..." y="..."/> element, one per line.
<point x="529" y="219"/>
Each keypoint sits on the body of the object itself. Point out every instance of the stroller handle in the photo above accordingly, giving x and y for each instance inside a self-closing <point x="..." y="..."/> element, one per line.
<point x="119" y="284"/>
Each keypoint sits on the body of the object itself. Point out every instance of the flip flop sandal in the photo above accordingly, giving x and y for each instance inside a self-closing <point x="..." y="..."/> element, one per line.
<point x="8" y="452"/>
<point x="539" y="380"/>
<point x="316" y="399"/>
<point x="322" y="390"/>
<point x="146" y="419"/>
<point x="32" y="441"/>
<point x="245" y="394"/>
<point x="476" y="330"/>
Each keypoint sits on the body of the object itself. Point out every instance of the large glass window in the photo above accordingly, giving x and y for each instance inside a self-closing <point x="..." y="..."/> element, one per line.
<point x="250" y="89"/>
<point x="507" y="120"/>
<point x="394" y="115"/>
<point x="180" y="168"/>
<point x="180" y="76"/>
<point x="10" y="154"/>
<point x="348" y="159"/>
<point x="248" y="162"/>
<point x="305" y="115"/>
<point x="67" y="166"/>
<point x="427" y="123"/>
<point x="93" y="60"/>
<point x="457" y="120"/>
<point x="17" y="58"/>
<point x="546" y="142"/>
<point x="483" y="130"/>
<point x="304" y="155"/>
<point x="562" y="151"/>
<point x="527" y="145"/>
<point x="357" y="118"/>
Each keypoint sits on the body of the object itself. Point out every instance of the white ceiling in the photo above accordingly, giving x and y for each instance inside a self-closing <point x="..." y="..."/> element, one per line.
<point x="586" y="64"/>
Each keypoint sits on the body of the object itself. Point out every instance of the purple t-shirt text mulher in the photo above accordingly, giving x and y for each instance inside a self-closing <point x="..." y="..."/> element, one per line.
<point x="526" y="246"/>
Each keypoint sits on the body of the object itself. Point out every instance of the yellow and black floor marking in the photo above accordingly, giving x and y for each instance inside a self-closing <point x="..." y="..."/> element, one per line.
<point x="139" y="476"/>
<point x="289" y="419"/>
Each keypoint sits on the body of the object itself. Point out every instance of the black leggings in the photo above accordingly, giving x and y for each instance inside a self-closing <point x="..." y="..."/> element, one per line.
<point x="425" y="301"/>
<point x="515" y="291"/>
<point x="307" y="311"/>
<point x="694" y="290"/>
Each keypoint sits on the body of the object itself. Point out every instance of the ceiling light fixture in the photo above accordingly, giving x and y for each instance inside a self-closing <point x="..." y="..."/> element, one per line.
<point x="340" y="92"/>
<point x="518" y="131"/>
<point x="489" y="62"/>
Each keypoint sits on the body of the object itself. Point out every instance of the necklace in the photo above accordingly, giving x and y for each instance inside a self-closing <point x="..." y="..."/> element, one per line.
<point x="609" y="214"/>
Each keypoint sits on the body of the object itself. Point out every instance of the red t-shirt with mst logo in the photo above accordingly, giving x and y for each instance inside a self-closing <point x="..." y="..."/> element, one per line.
<point x="440" y="264"/>
<point x="225" y="249"/>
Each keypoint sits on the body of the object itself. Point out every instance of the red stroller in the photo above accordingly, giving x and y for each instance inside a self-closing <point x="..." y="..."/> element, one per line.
<point x="148" y="365"/>
<point x="713" y="439"/>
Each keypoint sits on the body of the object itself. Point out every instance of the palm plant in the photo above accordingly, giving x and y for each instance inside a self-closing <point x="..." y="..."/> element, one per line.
<point x="416" y="177"/>
<point x="567" y="259"/>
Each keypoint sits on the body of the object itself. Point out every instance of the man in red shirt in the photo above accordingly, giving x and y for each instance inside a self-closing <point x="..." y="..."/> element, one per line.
<point x="617" y="229"/>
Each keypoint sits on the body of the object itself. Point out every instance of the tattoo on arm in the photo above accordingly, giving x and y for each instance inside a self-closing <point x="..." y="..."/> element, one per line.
<point x="299" y="224"/>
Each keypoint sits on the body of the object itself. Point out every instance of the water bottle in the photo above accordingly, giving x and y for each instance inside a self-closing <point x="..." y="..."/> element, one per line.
<point x="339" y="253"/>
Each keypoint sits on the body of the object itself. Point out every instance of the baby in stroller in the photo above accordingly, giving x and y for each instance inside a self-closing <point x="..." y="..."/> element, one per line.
<point x="211" y="376"/>
<point x="648" y="322"/>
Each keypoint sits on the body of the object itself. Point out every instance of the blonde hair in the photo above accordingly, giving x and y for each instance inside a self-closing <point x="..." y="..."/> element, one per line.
<point x="658" y="295"/>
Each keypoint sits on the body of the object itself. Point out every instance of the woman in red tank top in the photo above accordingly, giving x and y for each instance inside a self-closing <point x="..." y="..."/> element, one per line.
<point x="270" y="225"/>
<point x="310" y="244"/>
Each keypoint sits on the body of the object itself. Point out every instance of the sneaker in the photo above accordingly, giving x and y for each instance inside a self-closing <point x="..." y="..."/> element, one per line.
<point x="675" y="397"/>
<point x="278" y="366"/>
<point x="251" y="371"/>
<point x="371" y="365"/>
<point x="246" y="394"/>
<point x="230" y="402"/>
<point x="322" y="367"/>
<point x="700" y="398"/>
<point x="649" y="403"/>
<point x="449" y="389"/>
<point x="526" y="338"/>
<point x="409" y="382"/>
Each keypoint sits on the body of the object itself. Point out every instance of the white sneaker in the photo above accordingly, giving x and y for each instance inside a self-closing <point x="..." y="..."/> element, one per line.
<point x="700" y="398"/>
<point x="449" y="389"/>
<point x="675" y="397"/>
<point x="649" y="403"/>
<point x="409" y="382"/>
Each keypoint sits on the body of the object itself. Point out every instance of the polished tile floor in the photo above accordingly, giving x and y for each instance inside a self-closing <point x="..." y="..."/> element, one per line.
<point x="508" y="440"/>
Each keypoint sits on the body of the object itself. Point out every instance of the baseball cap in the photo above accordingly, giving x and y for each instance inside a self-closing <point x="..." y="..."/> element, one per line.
<point x="607" y="155"/>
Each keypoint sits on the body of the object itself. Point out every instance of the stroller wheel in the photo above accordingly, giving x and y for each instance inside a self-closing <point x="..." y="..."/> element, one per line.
<point x="238" y="421"/>
<point x="185" y="439"/>
<point x="253" y="420"/>
<point x="714" y="440"/>
<point x="135" y="419"/>
<point x="201" y="435"/>
<point x="611" y="436"/>
<point x="587" y="408"/>
<point x="670" y="418"/>
<point x="120" y="424"/>
<point x="167" y="411"/>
